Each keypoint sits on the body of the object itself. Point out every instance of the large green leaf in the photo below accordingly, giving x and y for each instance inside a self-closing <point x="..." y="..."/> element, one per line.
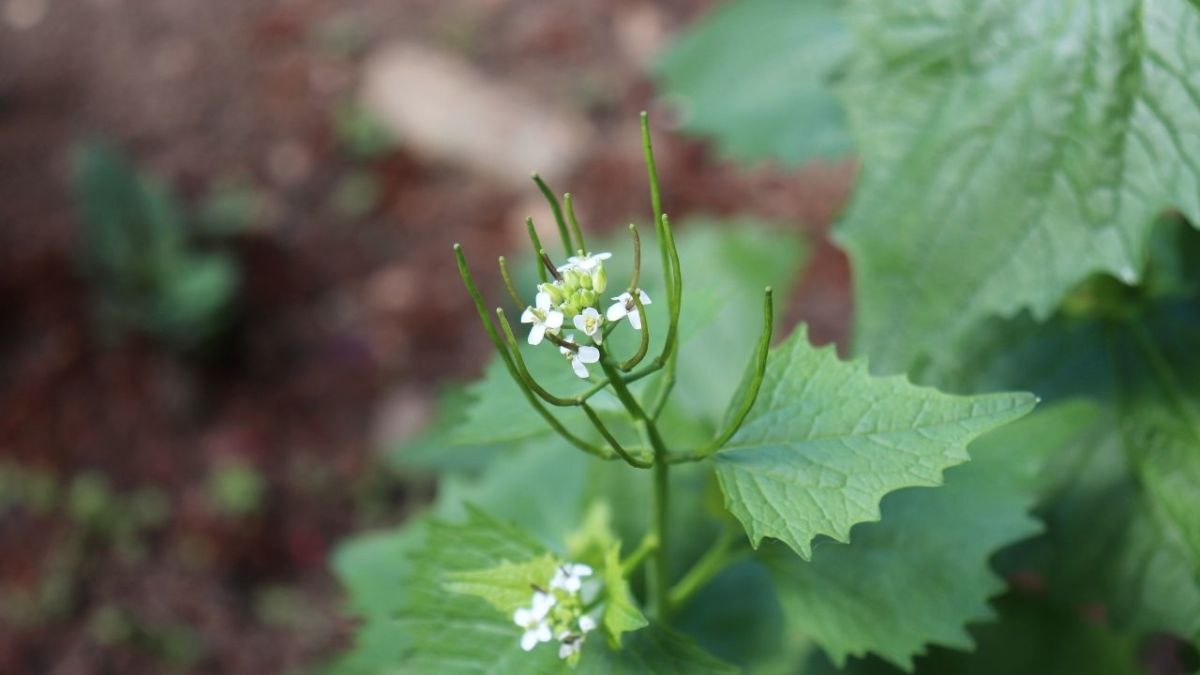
<point x="1010" y="149"/>
<point x="1032" y="636"/>
<point x="921" y="575"/>
<point x="826" y="441"/>
<point x="755" y="75"/>
<point x="1121" y="505"/>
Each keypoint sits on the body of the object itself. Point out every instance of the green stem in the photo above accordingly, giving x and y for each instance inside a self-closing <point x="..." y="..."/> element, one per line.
<point x="716" y="559"/>
<point x="612" y="441"/>
<point x="537" y="247"/>
<point x="523" y="371"/>
<point x="558" y="213"/>
<point x="669" y="354"/>
<point x="758" y="374"/>
<point x="569" y="204"/>
<point x="637" y="258"/>
<point x="648" y="545"/>
<point x="644" y="346"/>
<point x="508" y="284"/>
<point x="655" y="192"/>
<point x="660" y="570"/>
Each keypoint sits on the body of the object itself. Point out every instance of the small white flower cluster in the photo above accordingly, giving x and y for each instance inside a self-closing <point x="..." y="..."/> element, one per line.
<point x="573" y="295"/>
<point x="557" y="613"/>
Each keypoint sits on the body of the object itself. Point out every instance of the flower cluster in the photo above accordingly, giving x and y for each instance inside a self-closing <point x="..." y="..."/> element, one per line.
<point x="574" y="294"/>
<point x="556" y="612"/>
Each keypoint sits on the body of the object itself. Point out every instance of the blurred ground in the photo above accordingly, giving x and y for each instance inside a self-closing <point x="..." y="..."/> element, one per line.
<point x="176" y="511"/>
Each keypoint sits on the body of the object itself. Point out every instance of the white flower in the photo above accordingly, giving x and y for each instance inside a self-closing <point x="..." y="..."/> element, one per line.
<point x="533" y="620"/>
<point x="569" y="577"/>
<point x="542" y="317"/>
<point x="586" y="263"/>
<point x="589" y="321"/>
<point x="586" y="624"/>
<point x="625" y="307"/>
<point x="578" y="359"/>
<point x="573" y="642"/>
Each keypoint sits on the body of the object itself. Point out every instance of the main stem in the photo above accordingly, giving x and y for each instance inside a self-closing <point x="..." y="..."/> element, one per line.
<point x="659" y="577"/>
<point x="660" y="580"/>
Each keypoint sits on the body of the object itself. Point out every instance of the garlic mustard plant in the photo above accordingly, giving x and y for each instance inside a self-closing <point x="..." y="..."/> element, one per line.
<point x="685" y="533"/>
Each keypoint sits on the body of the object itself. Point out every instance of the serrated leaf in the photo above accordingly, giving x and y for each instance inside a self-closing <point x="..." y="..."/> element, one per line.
<point x="1009" y="151"/>
<point x="436" y="631"/>
<point x="621" y="614"/>
<point x="1121" y="504"/>
<point x="826" y="441"/>
<point x="755" y="75"/>
<point x="505" y="586"/>
<point x="921" y="575"/>
<point x="1031" y="636"/>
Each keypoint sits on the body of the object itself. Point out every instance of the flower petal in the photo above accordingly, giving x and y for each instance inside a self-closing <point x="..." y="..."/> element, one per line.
<point x="523" y="617"/>
<point x="635" y="320"/>
<point x="554" y="319"/>
<point x="581" y="570"/>
<point x="588" y="354"/>
<point x="581" y="371"/>
<point x="528" y="316"/>
<point x="537" y="333"/>
<point x="543" y="301"/>
<point x="643" y="297"/>
<point x="529" y="640"/>
<point x="586" y="624"/>
<point x="616" y="312"/>
<point x="580" y="323"/>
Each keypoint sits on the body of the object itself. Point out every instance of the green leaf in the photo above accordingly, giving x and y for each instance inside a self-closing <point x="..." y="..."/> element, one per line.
<point x="755" y="75"/>
<point x="1032" y="636"/>
<point x="1009" y="151"/>
<point x="434" y="630"/>
<point x="506" y="586"/>
<point x="375" y="569"/>
<point x="621" y="614"/>
<point x="921" y="575"/>
<point x="1121" y="504"/>
<point x="826" y="441"/>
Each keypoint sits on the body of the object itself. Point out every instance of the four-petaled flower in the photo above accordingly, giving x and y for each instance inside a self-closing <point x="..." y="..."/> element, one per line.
<point x="589" y="321"/>
<point x="586" y="263"/>
<point x="625" y="307"/>
<point x="579" y="356"/>
<point x="569" y="577"/>
<point x="543" y="317"/>
<point x="533" y="620"/>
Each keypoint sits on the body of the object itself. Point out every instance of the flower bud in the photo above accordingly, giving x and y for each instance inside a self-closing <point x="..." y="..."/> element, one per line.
<point x="555" y="292"/>
<point x="570" y="281"/>
<point x="585" y="281"/>
<point x="599" y="279"/>
<point x="586" y="298"/>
